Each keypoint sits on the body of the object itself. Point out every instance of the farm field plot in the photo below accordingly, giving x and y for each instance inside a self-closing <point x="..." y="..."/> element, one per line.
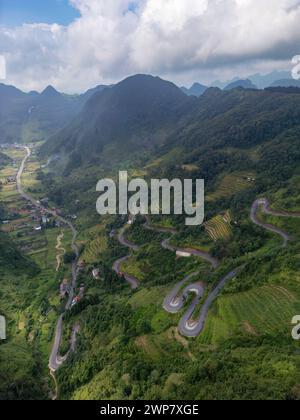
<point x="231" y="184"/>
<point x="29" y="180"/>
<point x="96" y="241"/>
<point x="267" y="310"/>
<point x="219" y="227"/>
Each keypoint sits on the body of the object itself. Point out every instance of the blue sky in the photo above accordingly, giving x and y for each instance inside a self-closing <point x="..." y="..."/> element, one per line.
<point x="16" y="12"/>
<point x="181" y="40"/>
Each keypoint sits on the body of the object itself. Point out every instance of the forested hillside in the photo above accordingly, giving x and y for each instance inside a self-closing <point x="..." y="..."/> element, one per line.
<point x="245" y="144"/>
<point x="33" y="116"/>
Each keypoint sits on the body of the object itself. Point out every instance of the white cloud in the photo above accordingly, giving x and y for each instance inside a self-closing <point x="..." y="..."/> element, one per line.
<point x="184" y="40"/>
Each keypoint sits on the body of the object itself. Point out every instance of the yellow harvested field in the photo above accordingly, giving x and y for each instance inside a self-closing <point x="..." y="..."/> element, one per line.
<point x="219" y="227"/>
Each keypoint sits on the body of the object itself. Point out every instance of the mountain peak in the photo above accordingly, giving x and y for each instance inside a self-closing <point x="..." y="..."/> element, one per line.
<point x="197" y="89"/>
<point x="10" y="90"/>
<point x="244" y="84"/>
<point x="50" y="92"/>
<point x="146" y="81"/>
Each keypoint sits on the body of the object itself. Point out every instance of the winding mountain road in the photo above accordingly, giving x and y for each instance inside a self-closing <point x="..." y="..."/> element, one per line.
<point x="174" y="302"/>
<point x="192" y="328"/>
<point x="166" y="244"/>
<point x="263" y="203"/>
<point x="176" y="299"/>
<point x="131" y="280"/>
<point x="55" y="360"/>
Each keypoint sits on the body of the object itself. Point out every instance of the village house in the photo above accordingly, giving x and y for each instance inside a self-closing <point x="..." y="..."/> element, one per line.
<point x="183" y="254"/>
<point x="45" y="220"/>
<point x="75" y="301"/>
<point x="95" y="273"/>
<point x="11" y="179"/>
<point x="45" y="201"/>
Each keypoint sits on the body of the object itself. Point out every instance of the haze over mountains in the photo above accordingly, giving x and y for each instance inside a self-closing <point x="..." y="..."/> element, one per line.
<point x="144" y="117"/>
<point x="245" y="84"/>
<point x="131" y="117"/>
<point x="245" y="144"/>
<point x="33" y="116"/>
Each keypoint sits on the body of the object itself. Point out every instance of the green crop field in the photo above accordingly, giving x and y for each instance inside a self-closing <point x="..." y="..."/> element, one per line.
<point x="231" y="184"/>
<point x="266" y="310"/>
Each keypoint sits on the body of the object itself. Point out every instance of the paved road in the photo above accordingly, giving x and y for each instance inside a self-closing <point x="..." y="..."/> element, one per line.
<point x="55" y="361"/>
<point x="190" y="328"/>
<point x="123" y="241"/>
<point x="166" y="245"/>
<point x="131" y="280"/>
<point x="263" y="203"/>
<point x="174" y="303"/>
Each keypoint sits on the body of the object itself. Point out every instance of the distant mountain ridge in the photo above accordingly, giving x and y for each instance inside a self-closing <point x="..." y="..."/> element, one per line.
<point x="286" y="83"/>
<point x="33" y="116"/>
<point x="143" y="115"/>
<point x="245" y="84"/>
<point x="131" y="117"/>
<point x="197" y="89"/>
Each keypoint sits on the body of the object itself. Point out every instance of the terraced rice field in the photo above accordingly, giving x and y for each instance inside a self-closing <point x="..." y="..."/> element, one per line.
<point x="262" y="311"/>
<point x="94" y="249"/>
<point x="231" y="184"/>
<point x="219" y="227"/>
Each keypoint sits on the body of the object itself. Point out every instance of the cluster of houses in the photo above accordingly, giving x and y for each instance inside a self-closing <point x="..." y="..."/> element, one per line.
<point x="41" y="217"/>
<point x="65" y="288"/>
<point x="10" y="146"/>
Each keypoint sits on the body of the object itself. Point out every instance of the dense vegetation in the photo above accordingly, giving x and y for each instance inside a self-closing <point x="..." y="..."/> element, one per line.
<point x="245" y="144"/>
<point x="226" y="139"/>
<point x="20" y="364"/>
<point x="28" y="117"/>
